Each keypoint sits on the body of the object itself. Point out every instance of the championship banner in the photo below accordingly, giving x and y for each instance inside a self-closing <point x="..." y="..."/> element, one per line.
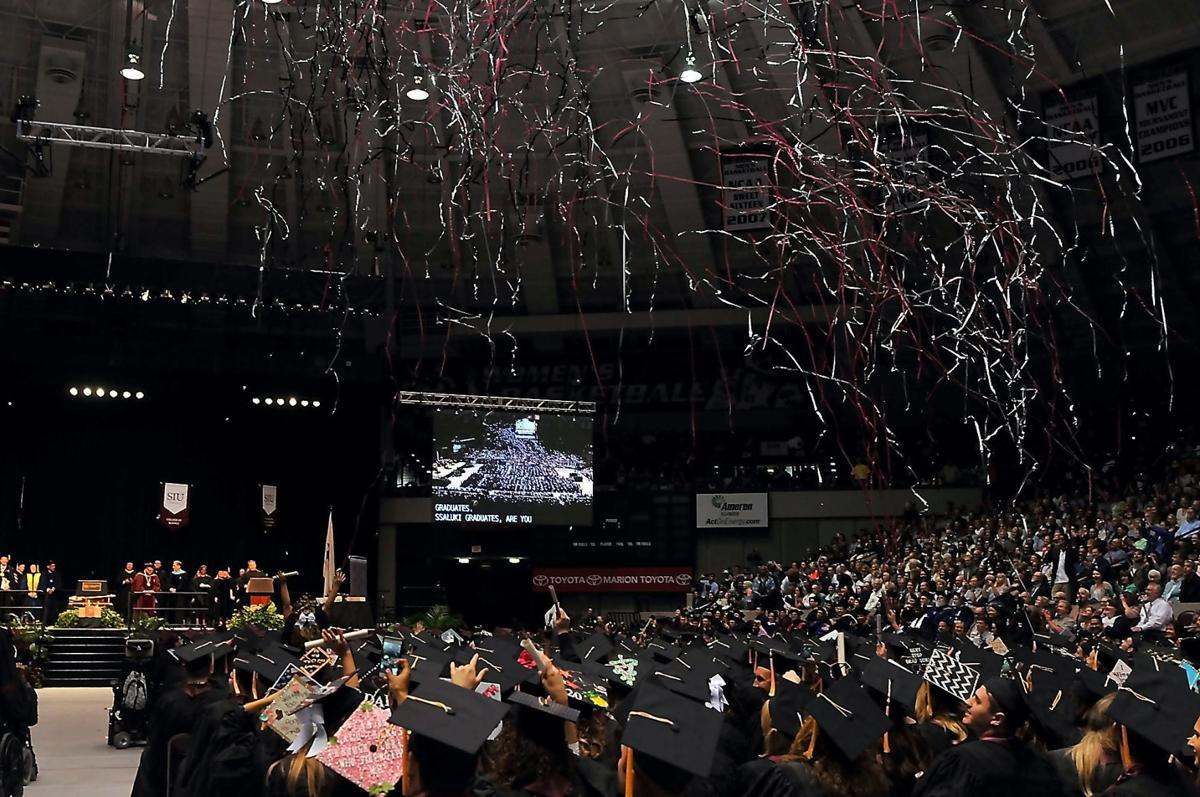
<point x="1072" y="136"/>
<point x="1162" y="114"/>
<point x="731" y="510"/>
<point x="268" y="505"/>
<point x="746" y="200"/>
<point x="174" y="509"/>
<point x="613" y="579"/>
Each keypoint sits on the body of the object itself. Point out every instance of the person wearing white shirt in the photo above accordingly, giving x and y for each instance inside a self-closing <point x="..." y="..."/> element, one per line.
<point x="1173" y="587"/>
<point x="1156" y="612"/>
<point x="1189" y="527"/>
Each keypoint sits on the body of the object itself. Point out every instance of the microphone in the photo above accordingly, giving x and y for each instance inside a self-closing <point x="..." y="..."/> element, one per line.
<point x="289" y="574"/>
<point x="359" y="634"/>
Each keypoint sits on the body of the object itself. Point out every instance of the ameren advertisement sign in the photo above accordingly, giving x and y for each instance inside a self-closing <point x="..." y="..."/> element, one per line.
<point x="613" y="579"/>
<point x="731" y="510"/>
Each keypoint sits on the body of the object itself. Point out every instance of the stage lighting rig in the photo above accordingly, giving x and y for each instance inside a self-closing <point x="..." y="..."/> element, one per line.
<point x="192" y="145"/>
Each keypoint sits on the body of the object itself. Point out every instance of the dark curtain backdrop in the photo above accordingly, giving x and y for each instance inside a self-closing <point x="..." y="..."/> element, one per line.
<point x="92" y="471"/>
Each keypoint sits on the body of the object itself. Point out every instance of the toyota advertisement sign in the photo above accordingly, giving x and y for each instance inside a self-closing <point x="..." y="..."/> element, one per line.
<point x="731" y="510"/>
<point x="613" y="579"/>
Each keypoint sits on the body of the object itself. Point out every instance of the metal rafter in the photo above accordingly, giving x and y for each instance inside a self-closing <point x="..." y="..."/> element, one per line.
<point x="42" y="133"/>
<point x="515" y="404"/>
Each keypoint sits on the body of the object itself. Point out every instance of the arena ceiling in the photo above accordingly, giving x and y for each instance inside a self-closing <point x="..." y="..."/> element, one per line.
<point x="562" y="177"/>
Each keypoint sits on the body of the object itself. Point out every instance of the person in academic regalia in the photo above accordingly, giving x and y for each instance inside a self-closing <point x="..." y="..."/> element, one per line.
<point x="123" y="589"/>
<point x="145" y="587"/>
<point x="177" y="581"/>
<point x="996" y="763"/>
<point x="52" y="585"/>
<point x="204" y="584"/>
<point x="1157" y="718"/>
<point x="177" y="711"/>
<point x="1094" y="763"/>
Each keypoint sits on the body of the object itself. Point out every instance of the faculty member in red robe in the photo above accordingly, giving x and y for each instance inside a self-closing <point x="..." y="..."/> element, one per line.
<point x="145" y="585"/>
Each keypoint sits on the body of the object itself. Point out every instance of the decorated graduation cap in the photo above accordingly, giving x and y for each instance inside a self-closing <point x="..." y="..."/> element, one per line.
<point x="983" y="660"/>
<point x="587" y="686"/>
<point x="952" y="676"/>
<point x="1152" y="705"/>
<point x="456" y="717"/>
<point x="622" y="669"/>
<point x="849" y="717"/>
<point x="890" y="679"/>
<point x="671" y="729"/>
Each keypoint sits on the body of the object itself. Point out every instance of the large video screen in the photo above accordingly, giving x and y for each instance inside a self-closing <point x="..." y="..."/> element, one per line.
<point x="511" y="468"/>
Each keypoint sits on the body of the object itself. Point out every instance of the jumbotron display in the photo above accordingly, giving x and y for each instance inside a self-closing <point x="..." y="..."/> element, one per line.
<point x="512" y="468"/>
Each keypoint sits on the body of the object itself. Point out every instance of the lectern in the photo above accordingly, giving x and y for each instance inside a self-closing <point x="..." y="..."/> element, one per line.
<point x="260" y="590"/>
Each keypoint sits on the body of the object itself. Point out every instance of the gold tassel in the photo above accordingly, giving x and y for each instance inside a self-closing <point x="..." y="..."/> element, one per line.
<point x="772" y="692"/>
<point x="627" y="753"/>
<point x="812" y="744"/>
<point x="1126" y="758"/>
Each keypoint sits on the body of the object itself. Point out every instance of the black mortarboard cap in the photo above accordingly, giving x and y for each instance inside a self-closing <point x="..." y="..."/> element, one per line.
<point x="622" y="670"/>
<point x="449" y="714"/>
<point x="496" y="648"/>
<point x="1172" y="673"/>
<point x="729" y="647"/>
<point x="428" y="662"/>
<point x="788" y="706"/>
<point x="681" y="680"/>
<point x="1095" y="683"/>
<point x="594" y="647"/>
<point x="269" y="662"/>
<point x="215" y="645"/>
<point x="664" y="651"/>
<point x="889" y="678"/>
<point x="849" y="717"/>
<point x="672" y="729"/>
<point x="1152" y="705"/>
<point x="366" y="653"/>
<point x="543" y="705"/>
<point x="1009" y="697"/>
<point x="1052" y="710"/>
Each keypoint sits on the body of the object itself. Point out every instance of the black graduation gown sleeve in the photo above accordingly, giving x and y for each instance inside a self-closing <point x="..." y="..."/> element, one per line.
<point x="989" y="769"/>
<point x="765" y="778"/>
<point x="177" y="711"/>
<point x="1170" y="783"/>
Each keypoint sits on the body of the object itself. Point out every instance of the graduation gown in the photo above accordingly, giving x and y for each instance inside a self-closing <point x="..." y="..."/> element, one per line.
<point x="177" y="711"/>
<point x="148" y="586"/>
<point x="989" y="769"/>
<point x="1168" y="783"/>
<point x="763" y="777"/>
<point x="1064" y="765"/>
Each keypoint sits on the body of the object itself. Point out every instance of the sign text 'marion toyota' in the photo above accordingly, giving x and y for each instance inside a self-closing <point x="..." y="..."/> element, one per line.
<point x="613" y="579"/>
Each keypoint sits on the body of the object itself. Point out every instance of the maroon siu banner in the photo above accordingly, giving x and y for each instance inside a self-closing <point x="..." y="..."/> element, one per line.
<point x="174" y="510"/>
<point x="613" y="579"/>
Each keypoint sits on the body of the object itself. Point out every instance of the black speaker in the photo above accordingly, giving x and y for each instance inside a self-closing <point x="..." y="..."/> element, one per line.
<point x="358" y="576"/>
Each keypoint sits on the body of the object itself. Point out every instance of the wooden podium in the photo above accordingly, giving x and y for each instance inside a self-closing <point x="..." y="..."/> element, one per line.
<point x="260" y="590"/>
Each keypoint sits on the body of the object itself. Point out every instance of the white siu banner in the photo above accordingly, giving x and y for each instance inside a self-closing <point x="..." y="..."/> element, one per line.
<point x="1073" y="137"/>
<point x="731" y="510"/>
<point x="746" y="199"/>
<point x="1162" y="113"/>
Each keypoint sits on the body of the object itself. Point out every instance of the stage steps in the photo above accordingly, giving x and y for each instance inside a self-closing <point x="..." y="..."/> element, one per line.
<point x="84" y="656"/>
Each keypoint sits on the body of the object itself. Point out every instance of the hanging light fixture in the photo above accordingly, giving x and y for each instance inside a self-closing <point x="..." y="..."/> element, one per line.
<point x="132" y="69"/>
<point x="133" y="53"/>
<point x="417" y="92"/>
<point x="272" y="2"/>
<point x="690" y="73"/>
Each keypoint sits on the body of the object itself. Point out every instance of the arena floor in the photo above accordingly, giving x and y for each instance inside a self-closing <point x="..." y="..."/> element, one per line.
<point x="70" y="742"/>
